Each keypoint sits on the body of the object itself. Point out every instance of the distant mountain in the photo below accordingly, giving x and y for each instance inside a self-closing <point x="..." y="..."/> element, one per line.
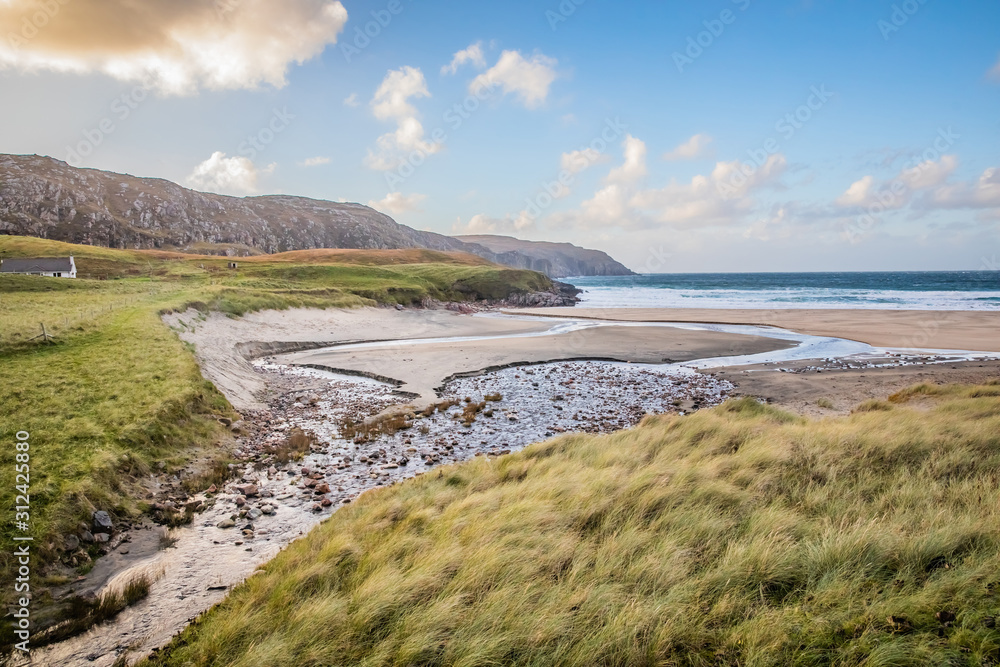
<point x="558" y="260"/>
<point x="47" y="198"/>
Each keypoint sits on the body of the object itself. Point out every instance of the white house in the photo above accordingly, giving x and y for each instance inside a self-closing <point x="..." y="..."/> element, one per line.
<point x="53" y="267"/>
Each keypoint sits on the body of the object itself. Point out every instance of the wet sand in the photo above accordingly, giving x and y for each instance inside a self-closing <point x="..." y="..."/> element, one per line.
<point x="224" y="346"/>
<point x="423" y="369"/>
<point x="927" y="329"/>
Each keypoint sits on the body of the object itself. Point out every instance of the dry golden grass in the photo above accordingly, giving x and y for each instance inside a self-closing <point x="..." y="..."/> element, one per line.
<point x="736" y="536"/>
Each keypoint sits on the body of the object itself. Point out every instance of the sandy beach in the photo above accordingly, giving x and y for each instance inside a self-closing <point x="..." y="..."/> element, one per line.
<point x="927" y="329"/>
<point x="225" y="346"/>
<point x="422" y="370"/>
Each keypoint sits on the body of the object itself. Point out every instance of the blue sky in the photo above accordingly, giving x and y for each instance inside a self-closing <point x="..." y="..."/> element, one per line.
<point x="892" y="162"/>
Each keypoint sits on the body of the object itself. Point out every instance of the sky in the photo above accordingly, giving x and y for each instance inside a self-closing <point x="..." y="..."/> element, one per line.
<point x="728" y="135"/>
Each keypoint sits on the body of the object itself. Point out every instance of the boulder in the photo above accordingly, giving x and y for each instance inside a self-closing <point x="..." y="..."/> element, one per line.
<point x="101" y="538"/>
<point x="102" y="521"/>
<point x="71" y="542"/>
<point x="226" y="523"/>
<point x="87" y="537"/>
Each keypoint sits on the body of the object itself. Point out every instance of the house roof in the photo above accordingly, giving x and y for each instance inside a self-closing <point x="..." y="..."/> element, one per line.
<point x="37" y="265"/>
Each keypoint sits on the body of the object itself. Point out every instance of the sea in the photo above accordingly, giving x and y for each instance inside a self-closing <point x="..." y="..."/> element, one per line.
<point x="904" y="290"/>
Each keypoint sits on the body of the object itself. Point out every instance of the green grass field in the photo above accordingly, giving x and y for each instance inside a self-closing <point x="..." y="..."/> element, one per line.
<point x="739" y="535"/>
<point x="118" y="392"/>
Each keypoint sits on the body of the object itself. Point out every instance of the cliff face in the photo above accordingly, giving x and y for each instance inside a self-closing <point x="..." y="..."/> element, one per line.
<point x="558" y="260"/>
<point x="47" y="198"/>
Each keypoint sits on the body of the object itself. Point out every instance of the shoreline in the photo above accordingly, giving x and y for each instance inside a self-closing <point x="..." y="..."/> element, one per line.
<point x="977" y="331"/>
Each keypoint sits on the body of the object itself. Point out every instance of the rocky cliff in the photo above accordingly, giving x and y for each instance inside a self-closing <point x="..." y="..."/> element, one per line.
<point x="558" y="260"/>
<point x="47" y="198"/>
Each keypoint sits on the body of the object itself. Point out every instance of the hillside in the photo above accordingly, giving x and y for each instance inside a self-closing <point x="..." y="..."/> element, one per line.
<point x="736" y="536"/>
<point x="558" y="260"/>
<point x="49" y="199"/>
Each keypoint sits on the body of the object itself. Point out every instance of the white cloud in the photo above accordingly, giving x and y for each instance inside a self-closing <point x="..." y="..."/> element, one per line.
<point x="352" y="100"/>
<point x="392" y="102"/>
<point x="397" y="202"/>
<point x="725" y="197"/>
<point x="392" y="97"/>
<point x="174" y="46"/>
<point x="529" y="79"/>
<point x="483" y="224"/>
<point x="315" y="161"/>
<point x="858" y="194"/>
<point x="473" y="54"/>
<point x="897" y="192"/>
<point x="771" y="226"/>
<point x="930" y="173"/>
<point x="634" y="167"/>
<point x="983" y="193"/>
<point x="577" y="161"/>
<point x="227" y="175"/>
<point x="732" y="180"/>
<point x="695" y="147"/>
<point x="609" y="205"/>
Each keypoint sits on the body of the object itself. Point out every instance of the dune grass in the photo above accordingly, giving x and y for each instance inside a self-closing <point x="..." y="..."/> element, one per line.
<point x="739" y="535"/>
<point x="117" y="393"/>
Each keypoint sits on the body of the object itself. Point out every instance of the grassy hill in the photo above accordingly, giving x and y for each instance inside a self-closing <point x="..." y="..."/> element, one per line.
<point x="118" y="393"/>
<point x="736" y="536"/>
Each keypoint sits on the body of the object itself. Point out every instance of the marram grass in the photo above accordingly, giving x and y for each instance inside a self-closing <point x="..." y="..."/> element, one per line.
<point x="736" y="536"/>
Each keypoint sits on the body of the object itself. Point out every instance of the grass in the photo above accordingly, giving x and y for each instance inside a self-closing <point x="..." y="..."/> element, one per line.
<point x="740" y="535"/>
<point x="117" y="393"/>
